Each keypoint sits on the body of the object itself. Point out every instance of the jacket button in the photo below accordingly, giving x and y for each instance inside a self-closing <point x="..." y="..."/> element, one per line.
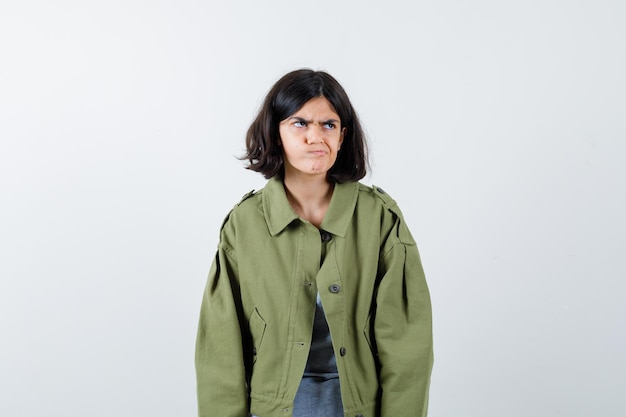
<point x="380" y="190"/>
<point x="254" y="351"/>
<point x="326" y="237"/>
<point x="359" y="415"/>
<point x="334" y="288"/>
<point x="342" y="351"/>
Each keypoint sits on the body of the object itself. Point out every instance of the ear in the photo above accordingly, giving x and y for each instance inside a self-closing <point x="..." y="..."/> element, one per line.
<point x="343" y="134"/>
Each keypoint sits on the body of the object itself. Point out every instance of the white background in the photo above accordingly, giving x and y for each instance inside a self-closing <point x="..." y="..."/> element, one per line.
<point x="498" y="126"/>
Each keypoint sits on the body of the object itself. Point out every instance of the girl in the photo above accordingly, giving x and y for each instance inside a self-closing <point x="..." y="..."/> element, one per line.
<point x="316" y="303"/>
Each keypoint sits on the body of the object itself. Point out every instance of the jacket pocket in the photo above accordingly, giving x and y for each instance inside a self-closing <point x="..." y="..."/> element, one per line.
<point x="368" y="332"/>
<point x="257" y="330"/>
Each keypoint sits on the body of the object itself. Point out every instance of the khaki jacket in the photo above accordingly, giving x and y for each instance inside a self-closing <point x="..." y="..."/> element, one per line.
<point x="257" y="311"/>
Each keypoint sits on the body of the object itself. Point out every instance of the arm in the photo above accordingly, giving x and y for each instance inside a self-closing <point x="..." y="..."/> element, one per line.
<point x="403" y="332"/>
<point x="220" y="370"/>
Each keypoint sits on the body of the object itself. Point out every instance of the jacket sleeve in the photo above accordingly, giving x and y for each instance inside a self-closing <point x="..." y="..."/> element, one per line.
<point x="403" y="330"/>
<point x="219" y="359"/>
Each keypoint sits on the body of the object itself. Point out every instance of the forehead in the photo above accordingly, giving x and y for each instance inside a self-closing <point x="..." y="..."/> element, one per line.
<point x="317" y="106"/>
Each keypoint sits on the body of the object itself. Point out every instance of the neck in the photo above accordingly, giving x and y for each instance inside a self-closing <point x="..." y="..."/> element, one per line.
<point x="309" y="197"/>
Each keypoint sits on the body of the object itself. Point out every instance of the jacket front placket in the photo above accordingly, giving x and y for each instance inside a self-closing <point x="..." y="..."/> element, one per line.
<point x="303" y="302"/>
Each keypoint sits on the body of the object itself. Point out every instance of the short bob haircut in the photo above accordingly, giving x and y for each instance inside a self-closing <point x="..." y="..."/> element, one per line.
<point x="285" y="98"/>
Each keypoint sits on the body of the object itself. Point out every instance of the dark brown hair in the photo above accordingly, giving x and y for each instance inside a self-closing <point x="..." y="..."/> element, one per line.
<point x="285" y="98"/>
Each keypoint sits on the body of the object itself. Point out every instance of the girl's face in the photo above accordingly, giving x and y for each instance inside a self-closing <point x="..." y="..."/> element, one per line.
<point x="311" y="138"/>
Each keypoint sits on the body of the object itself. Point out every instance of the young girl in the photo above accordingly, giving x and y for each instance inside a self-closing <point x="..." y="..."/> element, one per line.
<point x="316" y="303"/>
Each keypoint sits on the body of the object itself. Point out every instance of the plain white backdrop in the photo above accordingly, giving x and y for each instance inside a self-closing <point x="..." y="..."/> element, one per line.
<point x="498" y="126"/>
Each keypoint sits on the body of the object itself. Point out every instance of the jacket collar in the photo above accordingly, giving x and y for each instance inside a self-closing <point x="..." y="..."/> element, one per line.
<point x="279" y="214"/>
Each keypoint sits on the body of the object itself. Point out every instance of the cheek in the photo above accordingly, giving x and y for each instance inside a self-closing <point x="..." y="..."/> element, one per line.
<point x="290" y="150"/>
<point x="290" y="147"/>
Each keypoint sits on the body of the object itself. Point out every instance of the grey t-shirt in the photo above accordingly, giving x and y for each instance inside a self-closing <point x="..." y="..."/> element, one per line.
<point x="319" y="393"/>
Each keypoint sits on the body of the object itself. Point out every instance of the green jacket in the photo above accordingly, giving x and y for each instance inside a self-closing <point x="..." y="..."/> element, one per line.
<point x="257" y="311"/>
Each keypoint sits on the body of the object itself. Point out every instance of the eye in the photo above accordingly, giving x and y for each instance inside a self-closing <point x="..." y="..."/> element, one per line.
<point x="329" y="125"/>
<point x="299" y="123"/>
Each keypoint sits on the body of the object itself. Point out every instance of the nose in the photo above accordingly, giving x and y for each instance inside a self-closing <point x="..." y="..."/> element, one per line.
<point x="315" y="135"/>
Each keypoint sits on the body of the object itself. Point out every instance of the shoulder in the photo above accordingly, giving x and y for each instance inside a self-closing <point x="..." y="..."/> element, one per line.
<point x="247" y="208"/>
<point x="376" y="199"/>
<point x="248" y="202"/>
<point x="246" y="196"/>
<point x="376" y="194"/>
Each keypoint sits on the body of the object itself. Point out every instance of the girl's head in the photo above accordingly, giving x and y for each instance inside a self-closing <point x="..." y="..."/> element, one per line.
<point x="286" y="97"/>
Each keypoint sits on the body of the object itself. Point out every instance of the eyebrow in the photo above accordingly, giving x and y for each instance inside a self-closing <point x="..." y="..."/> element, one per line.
<point x="301" y="119"/>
